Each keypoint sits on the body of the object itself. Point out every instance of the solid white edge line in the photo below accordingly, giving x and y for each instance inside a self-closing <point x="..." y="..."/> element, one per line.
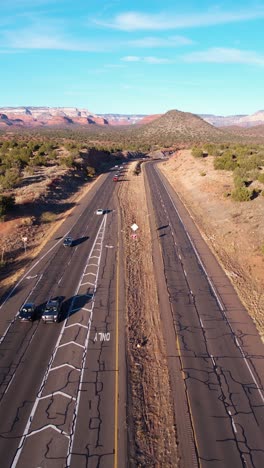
<point x="213" y="289"/>
<point x="32" y="413"/>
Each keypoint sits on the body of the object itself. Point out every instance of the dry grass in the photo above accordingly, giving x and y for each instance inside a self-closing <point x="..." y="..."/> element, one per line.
<point x="151" y="405"/>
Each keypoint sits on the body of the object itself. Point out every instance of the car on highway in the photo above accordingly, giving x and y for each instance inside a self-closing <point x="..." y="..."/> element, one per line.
<point x="68" y="241"/>
<point x="52" y="310"/>
<point x="27" y="312"/>
<point x="99" y="211"/>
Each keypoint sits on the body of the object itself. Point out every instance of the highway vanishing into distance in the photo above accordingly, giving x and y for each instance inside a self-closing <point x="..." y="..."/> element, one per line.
<point x="63" y="386"/>
<point x="61" y="399"/>
<point x="216" y="347"/>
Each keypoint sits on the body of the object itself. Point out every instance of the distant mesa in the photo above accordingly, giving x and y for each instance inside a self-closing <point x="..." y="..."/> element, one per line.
<point x="49" y="117"/>
<point x="30" y="116"/>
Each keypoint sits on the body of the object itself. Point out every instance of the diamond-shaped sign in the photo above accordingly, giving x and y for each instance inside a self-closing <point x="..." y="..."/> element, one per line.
<point x="134" y="227"/>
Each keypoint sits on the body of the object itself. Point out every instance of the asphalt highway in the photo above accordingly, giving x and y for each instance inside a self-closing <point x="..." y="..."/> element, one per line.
<point x="62" y="385"/>
<point x="215" y="348"/>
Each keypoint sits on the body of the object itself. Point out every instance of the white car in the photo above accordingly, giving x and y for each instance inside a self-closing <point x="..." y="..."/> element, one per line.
<point x="99" y="211"/>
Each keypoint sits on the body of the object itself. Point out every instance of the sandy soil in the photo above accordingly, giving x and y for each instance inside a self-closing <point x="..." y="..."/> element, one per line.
<point x="23" y="225"/>
<point x="148" y="379"/>
<point x="234" y="230"/>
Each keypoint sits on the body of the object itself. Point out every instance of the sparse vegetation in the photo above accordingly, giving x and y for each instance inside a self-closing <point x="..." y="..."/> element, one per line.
<point x="245" y="161"/>
<point x="226" y="162"/>
<point x="6" y="204"/>
<point x="261" y="177"/>
<point x="197" y="152"/>
<point x="241" y="194"/>
<point x="48" y="217"/>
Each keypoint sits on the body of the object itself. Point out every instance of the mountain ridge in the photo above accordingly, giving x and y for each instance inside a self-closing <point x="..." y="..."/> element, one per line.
<point x="33" y="116"/>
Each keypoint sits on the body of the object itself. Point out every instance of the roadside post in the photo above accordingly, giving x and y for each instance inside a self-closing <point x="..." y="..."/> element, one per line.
<point x="24" y="240"/>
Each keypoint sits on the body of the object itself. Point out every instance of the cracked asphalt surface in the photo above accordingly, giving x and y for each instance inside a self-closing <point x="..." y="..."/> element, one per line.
<point x="217" y="346"/>
<point x="58" y="381"/>
<point x="58" y="400"/>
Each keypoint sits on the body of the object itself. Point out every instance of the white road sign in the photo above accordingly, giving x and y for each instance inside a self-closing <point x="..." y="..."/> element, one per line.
<point x="134" y="227"/>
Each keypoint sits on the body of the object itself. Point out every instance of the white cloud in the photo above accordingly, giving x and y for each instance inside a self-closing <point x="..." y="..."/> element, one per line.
<point x="173" y="41"/>
<point x="149" y="59"/>
<point x="136" y="21"/>
<point x="51" y="38"/>
<point x="225" y="55"/>
<point x="131" y="58"/>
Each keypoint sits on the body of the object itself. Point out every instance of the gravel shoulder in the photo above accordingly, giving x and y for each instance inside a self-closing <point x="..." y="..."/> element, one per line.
<point x="233" y="230"/>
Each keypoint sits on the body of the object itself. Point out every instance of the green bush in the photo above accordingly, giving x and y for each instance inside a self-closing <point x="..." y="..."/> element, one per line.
<point x="10" y="179"/>
<point x="197" y="152"/>
<point x="6" y="204"/>
<point x="68" y="161"/>
<point x="249" y="163"/>
<point x="226" y="162"/>
<point x="48" y="217"/>
<point x="261" y="177"/>
<point x="239" y="181"/>
<point x="241" y="194"/>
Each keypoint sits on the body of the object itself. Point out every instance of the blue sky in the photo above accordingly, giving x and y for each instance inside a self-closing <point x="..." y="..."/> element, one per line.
<point x="143" y="57"/>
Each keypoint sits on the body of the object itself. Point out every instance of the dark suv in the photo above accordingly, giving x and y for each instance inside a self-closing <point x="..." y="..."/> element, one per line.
<point x="68" y="241"/>
<point x="52" y="311"/>
<point x="27" y="312"/>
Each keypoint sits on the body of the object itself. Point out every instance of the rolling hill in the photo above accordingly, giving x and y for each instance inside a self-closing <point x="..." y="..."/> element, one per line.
<point x="179" y="126"/>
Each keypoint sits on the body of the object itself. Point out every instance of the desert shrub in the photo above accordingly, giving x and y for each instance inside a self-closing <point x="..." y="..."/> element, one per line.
<point x="10" y="179"/>
<point x="137" y="169"/>
<point x="253" y="174"/>
<point x="226" y="162"/>
<point x="239" y="181"/>
<point x="202" y="173"/>
<point x="197" y="152"/>
<point x="6" y="204"/>
<point x="241" y="194"/>
<point x="249" y="163"/>
<point x="90" y="171"/>
<point x="68" y="161"/>
<point x="261" y="177"/>
<point x="213" y="150"/>
<point x="241" y="172"/>
<point x="47" y="217"/>
<point x="38" y="160"/>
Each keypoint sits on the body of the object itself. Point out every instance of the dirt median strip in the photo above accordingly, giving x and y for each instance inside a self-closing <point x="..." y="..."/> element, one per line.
<point x="150" y="409"/>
